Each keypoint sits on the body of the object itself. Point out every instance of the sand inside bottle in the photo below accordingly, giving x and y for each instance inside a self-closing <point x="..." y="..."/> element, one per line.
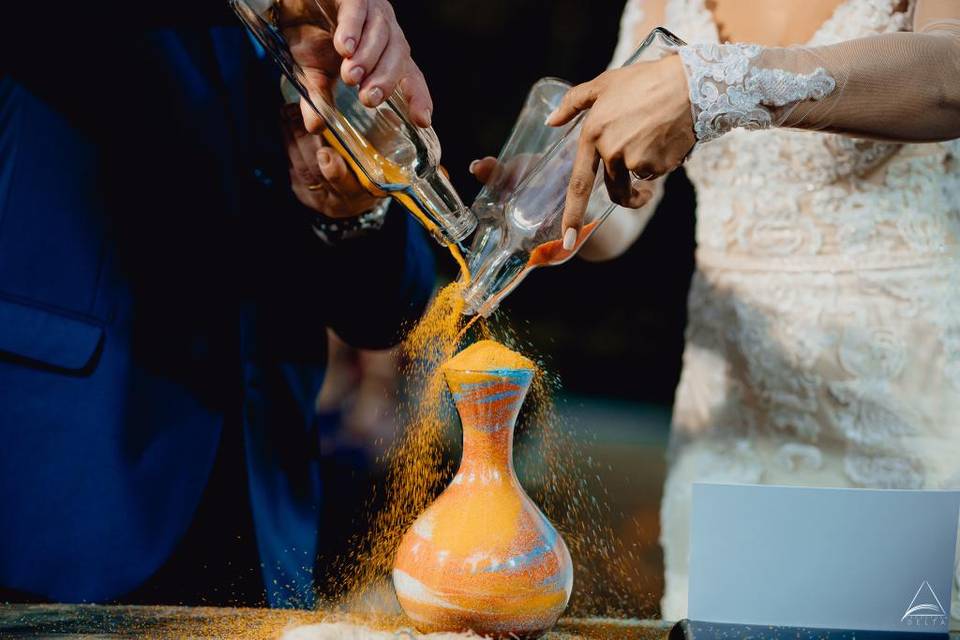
<point x="392" y="173"/>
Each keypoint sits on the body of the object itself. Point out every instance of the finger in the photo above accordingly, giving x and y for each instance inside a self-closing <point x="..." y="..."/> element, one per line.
<point x="312" y="121"/>
<point x="306" y="196"/>
<point x="484" y="168"/>
<point x="300" y="170"/>
<point x="639" y="198"/>
<point x="390" y="68"/>
<point x="577" y="99"/>
<point x="308" y="145"/>
<point x="413" y="86"/>
<point x="320" y="87"/>
<point x="376" y="37"/>
<point x="351" y="16"/>
<point x="617" y="178"/>
<point x="336" y="172"/>
<point x="311" y="172"/>
<point x="582" y="178"/>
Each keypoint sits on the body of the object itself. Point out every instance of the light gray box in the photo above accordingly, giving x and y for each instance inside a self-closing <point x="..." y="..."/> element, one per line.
<point x="863" y="559"/>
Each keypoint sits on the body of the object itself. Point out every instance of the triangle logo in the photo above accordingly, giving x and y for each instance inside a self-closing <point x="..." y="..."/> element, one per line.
<point x="925" y="604"/>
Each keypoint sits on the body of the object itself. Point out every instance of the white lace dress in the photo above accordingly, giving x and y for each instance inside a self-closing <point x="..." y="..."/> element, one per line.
<point x="823" y="344"/>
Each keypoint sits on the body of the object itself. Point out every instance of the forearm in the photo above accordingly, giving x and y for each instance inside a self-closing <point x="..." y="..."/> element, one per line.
<point x="895" y="86"/>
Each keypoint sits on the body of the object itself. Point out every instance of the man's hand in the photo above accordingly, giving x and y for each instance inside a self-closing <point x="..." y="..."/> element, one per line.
<point x="367" y="48"/>
<point x="320" y="178"/>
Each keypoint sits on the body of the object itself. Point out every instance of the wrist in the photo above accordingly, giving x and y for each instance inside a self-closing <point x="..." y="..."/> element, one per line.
<point x="332" y="231"/>
<point x="730" y="88"/>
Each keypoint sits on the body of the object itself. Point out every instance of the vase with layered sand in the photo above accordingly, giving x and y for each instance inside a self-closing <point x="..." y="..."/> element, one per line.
<point x="483" y="557"/>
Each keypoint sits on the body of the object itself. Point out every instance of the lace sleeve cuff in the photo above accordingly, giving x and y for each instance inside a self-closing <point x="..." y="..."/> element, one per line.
<point x="731" y="86"/>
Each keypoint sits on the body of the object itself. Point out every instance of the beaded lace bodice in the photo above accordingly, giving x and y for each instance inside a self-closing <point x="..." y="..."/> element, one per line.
<point x="820" y="258"/>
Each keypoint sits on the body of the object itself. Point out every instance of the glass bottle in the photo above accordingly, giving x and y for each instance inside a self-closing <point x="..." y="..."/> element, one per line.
<point x="528" y="231"/>
<point x="528" y="141"/>
<point x="387" y="152"/>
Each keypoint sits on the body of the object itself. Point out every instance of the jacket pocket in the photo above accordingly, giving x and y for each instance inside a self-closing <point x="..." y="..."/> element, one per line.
<point x="42" y="336"/>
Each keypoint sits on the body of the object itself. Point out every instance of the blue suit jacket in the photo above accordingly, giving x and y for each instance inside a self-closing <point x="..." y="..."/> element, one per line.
<point x="158" y="281"/>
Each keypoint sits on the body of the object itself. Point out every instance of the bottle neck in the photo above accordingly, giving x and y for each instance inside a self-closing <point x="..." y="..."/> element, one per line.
<point x="488" y="403"/>
<point x="437" y="200"/>
<point x="494" y="277"/>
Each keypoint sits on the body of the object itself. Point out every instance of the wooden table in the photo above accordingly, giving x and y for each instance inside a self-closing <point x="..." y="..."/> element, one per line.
<point x="86" y="622"/>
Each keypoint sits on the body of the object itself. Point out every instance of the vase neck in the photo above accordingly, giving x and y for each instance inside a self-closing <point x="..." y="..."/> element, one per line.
<point x="488" y="403"/>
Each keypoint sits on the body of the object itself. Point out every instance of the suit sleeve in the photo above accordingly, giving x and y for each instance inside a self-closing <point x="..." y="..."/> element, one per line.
<point x="381" y="283"/>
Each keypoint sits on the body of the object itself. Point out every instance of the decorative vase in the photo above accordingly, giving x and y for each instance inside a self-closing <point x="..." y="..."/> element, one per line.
<point x="483" y="557"/>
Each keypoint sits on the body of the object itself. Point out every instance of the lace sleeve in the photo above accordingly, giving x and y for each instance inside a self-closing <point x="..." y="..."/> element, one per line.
<point x="895" y="86"/>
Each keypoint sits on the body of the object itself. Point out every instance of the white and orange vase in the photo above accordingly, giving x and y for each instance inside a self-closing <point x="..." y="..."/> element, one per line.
<point x="483" y="557"/>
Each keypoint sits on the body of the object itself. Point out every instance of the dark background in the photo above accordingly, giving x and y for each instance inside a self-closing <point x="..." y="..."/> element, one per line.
<point x="613" y="329"/>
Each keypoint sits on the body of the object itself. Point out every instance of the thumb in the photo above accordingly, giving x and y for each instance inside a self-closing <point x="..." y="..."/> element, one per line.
<point x="577" y="99"/>
<point x="484" y="168"/>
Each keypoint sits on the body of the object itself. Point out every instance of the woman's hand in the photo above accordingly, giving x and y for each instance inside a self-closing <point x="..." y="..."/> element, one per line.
<point x="639" y="122"/>
<point x="320" y="178"/>
<point x="367" y="49"/>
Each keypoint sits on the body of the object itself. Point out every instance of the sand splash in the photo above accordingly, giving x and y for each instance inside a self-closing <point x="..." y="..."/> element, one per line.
<point x="418" y="463"/>
<point x="422" y="461"/>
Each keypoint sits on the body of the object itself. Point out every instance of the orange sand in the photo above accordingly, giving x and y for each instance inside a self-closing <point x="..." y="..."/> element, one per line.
<point x="487" y="355"/>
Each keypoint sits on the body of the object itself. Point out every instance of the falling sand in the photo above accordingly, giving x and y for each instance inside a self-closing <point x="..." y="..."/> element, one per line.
<point x="422" y="461"/>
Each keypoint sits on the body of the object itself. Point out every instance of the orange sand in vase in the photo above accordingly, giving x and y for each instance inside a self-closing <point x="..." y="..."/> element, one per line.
<point x="483" y="557"/>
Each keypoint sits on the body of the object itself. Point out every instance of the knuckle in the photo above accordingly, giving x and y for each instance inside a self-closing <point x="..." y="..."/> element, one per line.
<point x="574" y="95"/>
<point x="592" y="130"/>
<point x="633" y="160"/>
<point x="611" y="150"/>
<point x="387" y="14"/>
<point x="596" y="86"/>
